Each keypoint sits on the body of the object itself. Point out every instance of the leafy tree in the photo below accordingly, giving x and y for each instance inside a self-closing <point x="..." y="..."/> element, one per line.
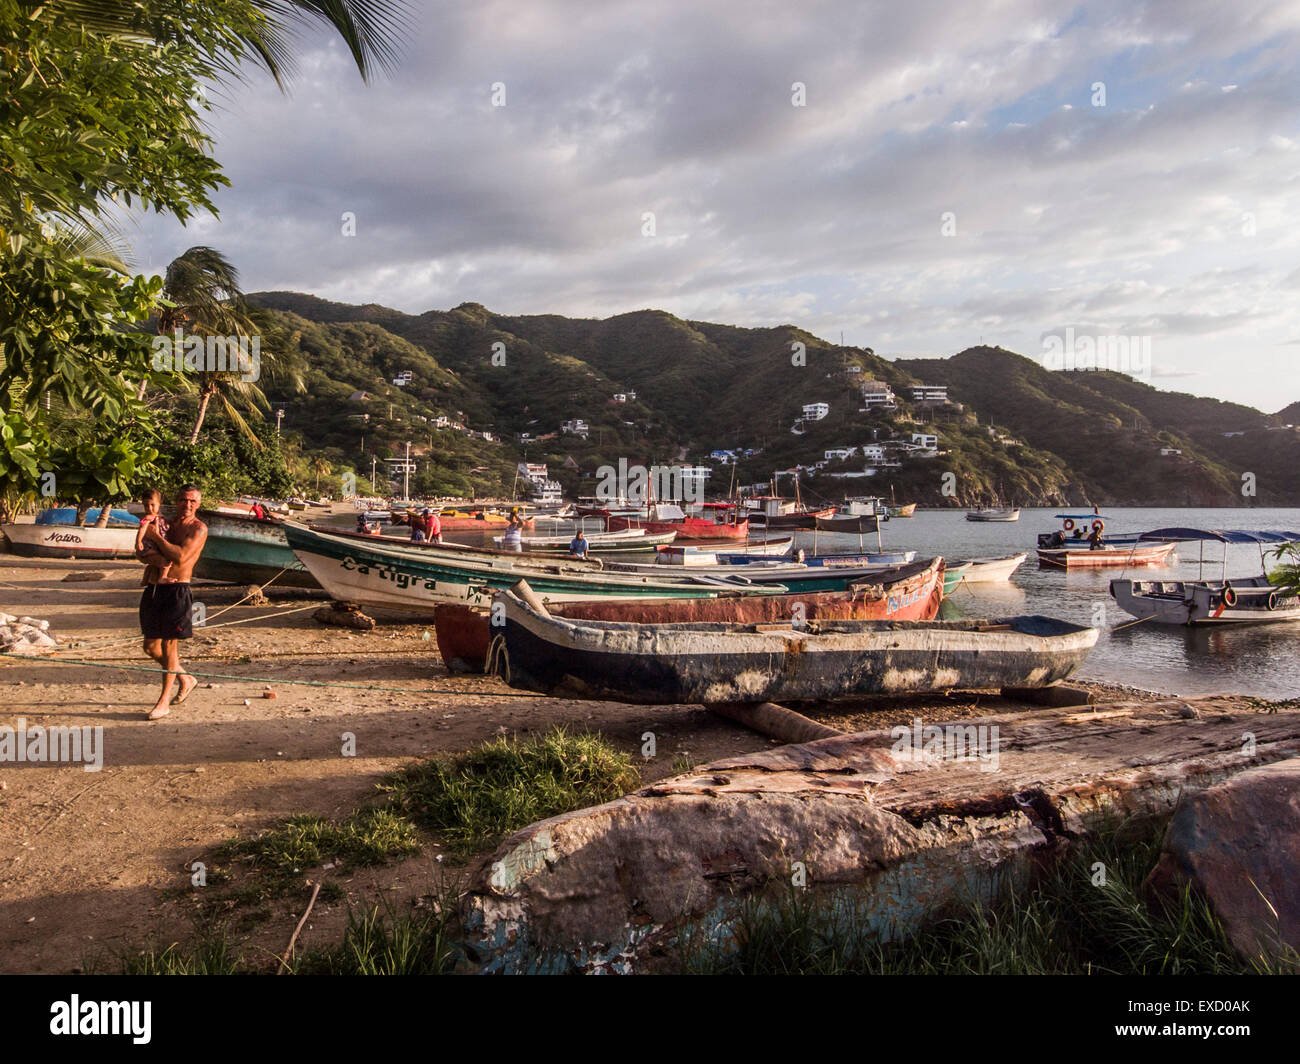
<point x="99" y="109"/>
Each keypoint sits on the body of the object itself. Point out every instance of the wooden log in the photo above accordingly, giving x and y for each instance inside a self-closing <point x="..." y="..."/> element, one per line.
<point x="774" y="721"/>
<point x="1057" y="695"/>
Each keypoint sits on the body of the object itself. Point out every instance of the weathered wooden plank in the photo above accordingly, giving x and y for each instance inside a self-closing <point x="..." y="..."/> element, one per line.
<point x="893" y="816"/>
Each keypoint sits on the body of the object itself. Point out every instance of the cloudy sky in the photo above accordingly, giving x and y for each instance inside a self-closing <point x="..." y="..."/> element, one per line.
<point x="918" y="177"/>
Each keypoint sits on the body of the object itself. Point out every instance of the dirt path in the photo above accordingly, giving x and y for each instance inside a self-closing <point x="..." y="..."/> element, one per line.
<point x="93" y="862"/>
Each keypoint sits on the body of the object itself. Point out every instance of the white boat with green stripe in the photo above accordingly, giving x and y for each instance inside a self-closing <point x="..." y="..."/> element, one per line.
<point x="420" y="578"/>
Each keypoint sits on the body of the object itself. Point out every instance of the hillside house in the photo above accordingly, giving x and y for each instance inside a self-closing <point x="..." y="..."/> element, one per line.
<point x="575" y="427"/>
<point x="927" y="441"/>
<point x="620" y="397"/>
<point x="874" y="453"/>
<point x="929" y="393"/>
<point x="815" y="411"/>
<point x="1170" y="452"/>
<point x="358" y="397"/>
<point x="840" y="453"/>
<point x="878" y="394"/>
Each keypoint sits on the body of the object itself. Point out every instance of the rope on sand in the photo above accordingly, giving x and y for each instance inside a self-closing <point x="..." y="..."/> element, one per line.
<point x="110" y="664"/>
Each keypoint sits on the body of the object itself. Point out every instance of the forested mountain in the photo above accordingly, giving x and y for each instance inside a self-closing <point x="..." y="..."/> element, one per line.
<point x="1012" y="430"/>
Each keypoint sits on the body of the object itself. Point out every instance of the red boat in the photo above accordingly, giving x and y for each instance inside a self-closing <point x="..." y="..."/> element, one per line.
<point x="724" y="524"/>
<point x="904" y="593"/>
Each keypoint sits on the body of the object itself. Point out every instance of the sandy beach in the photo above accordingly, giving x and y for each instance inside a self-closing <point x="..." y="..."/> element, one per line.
<point x="93" y="863"/>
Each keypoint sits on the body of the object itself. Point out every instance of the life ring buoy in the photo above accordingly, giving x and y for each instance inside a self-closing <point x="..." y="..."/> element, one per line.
<point x="1229" y="597"/>
<point x="1069" y="524"/>
<point x="1272" y="600"/>
<point x="1098" y="526"/>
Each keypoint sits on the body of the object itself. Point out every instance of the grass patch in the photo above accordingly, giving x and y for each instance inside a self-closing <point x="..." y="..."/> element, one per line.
<point x="210" y="954"/>
<point x="384" y="942"/>
<point x="368" y="837"/>
<point x="1060" y="923"/>
<point x="481" y="796"/>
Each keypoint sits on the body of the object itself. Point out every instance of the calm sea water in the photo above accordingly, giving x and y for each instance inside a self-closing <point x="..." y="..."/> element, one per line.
<point x="1259" y="660"/>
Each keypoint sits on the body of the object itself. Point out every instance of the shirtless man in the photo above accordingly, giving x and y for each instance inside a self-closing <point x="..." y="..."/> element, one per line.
<point x="166" y="602"/>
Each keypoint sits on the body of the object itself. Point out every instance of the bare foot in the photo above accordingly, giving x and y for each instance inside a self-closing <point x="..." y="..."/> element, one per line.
<point x="159" y="712"/>
<point x="186" y="688"/>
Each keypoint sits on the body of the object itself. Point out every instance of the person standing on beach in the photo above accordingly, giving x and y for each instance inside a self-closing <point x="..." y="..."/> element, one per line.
<point x="167" y="601"/>
<point x="432" y="527"/>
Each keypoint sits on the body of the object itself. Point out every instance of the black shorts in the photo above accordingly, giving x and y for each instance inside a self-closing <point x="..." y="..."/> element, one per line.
<point x="165" y="611"/>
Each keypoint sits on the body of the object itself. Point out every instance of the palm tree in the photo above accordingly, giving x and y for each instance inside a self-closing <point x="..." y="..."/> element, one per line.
<point x="321" y="468"/>
<point x="371" y="29"/>
<point x="201" y="296"/>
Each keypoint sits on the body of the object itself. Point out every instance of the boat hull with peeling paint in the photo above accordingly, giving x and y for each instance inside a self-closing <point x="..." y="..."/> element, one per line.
<point x="825" y="660"/>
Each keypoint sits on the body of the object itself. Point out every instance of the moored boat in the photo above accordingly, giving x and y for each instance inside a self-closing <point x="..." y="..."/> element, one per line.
<point x="992" y="570"/>
<point x="907" y="510"/>
<point x="1106" y="556"/>
<point x="907" y="592"/>
<point x="705" y="662"/>
<point x="994" y="514"/>
<point x="1249" y="600"/>
<point x="723" y="524"/>
<point x="953" y="576"/>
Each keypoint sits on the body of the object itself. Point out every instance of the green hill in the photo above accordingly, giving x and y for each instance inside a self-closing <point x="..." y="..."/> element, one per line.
<point x="1013" y="430"/>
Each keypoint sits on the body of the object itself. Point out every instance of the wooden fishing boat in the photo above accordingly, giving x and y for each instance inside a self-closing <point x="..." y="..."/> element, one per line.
<point x="704" y="662"/>
<point x="417" y="577"/>
<point x="56" y="534"/>
<point x="242" y="549"/>
<point x="992" y="570"/>
<point x="1075" y="529"/>
<point x="852" y="525"/>
<point x="632" y="539"/>
<point x="907" y="510"/>
<point x="1249" y="600"/>
<point x="723" y="524"/>
<point x="994" y="514"/>
<point x="953" y="576"/>
<point x="905" y="593"/>
<point x="696" y="554"/>
<point x="1107" y="556"/>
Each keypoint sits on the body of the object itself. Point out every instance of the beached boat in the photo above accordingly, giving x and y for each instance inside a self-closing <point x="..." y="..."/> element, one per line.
<point x="1249" y="600"/>
<point x="992" y="570"/>
<point x="242" y="549"/>
<point x="789" y="662"/>
<point x="632" y="539"/>
<point x="56" y="534"/>
<point x="905" y="593"/>
<point x="994" y="514"/>
<point x="723" y="523"/>
<point x="418" y="577"/>
<point x="696" y="554"/>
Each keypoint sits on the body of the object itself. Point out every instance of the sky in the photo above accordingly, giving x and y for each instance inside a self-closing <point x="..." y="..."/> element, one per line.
<point x="915" y="178"/>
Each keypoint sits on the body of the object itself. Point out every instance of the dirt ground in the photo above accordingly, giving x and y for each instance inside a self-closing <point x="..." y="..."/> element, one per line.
<point x="94" y="863"/>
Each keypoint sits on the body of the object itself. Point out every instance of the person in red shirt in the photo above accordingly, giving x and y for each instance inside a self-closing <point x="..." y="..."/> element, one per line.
<point x="432" y="527"/>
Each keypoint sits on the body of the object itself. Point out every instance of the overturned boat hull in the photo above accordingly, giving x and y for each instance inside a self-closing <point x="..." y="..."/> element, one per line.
<point x="820" y="660"/>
